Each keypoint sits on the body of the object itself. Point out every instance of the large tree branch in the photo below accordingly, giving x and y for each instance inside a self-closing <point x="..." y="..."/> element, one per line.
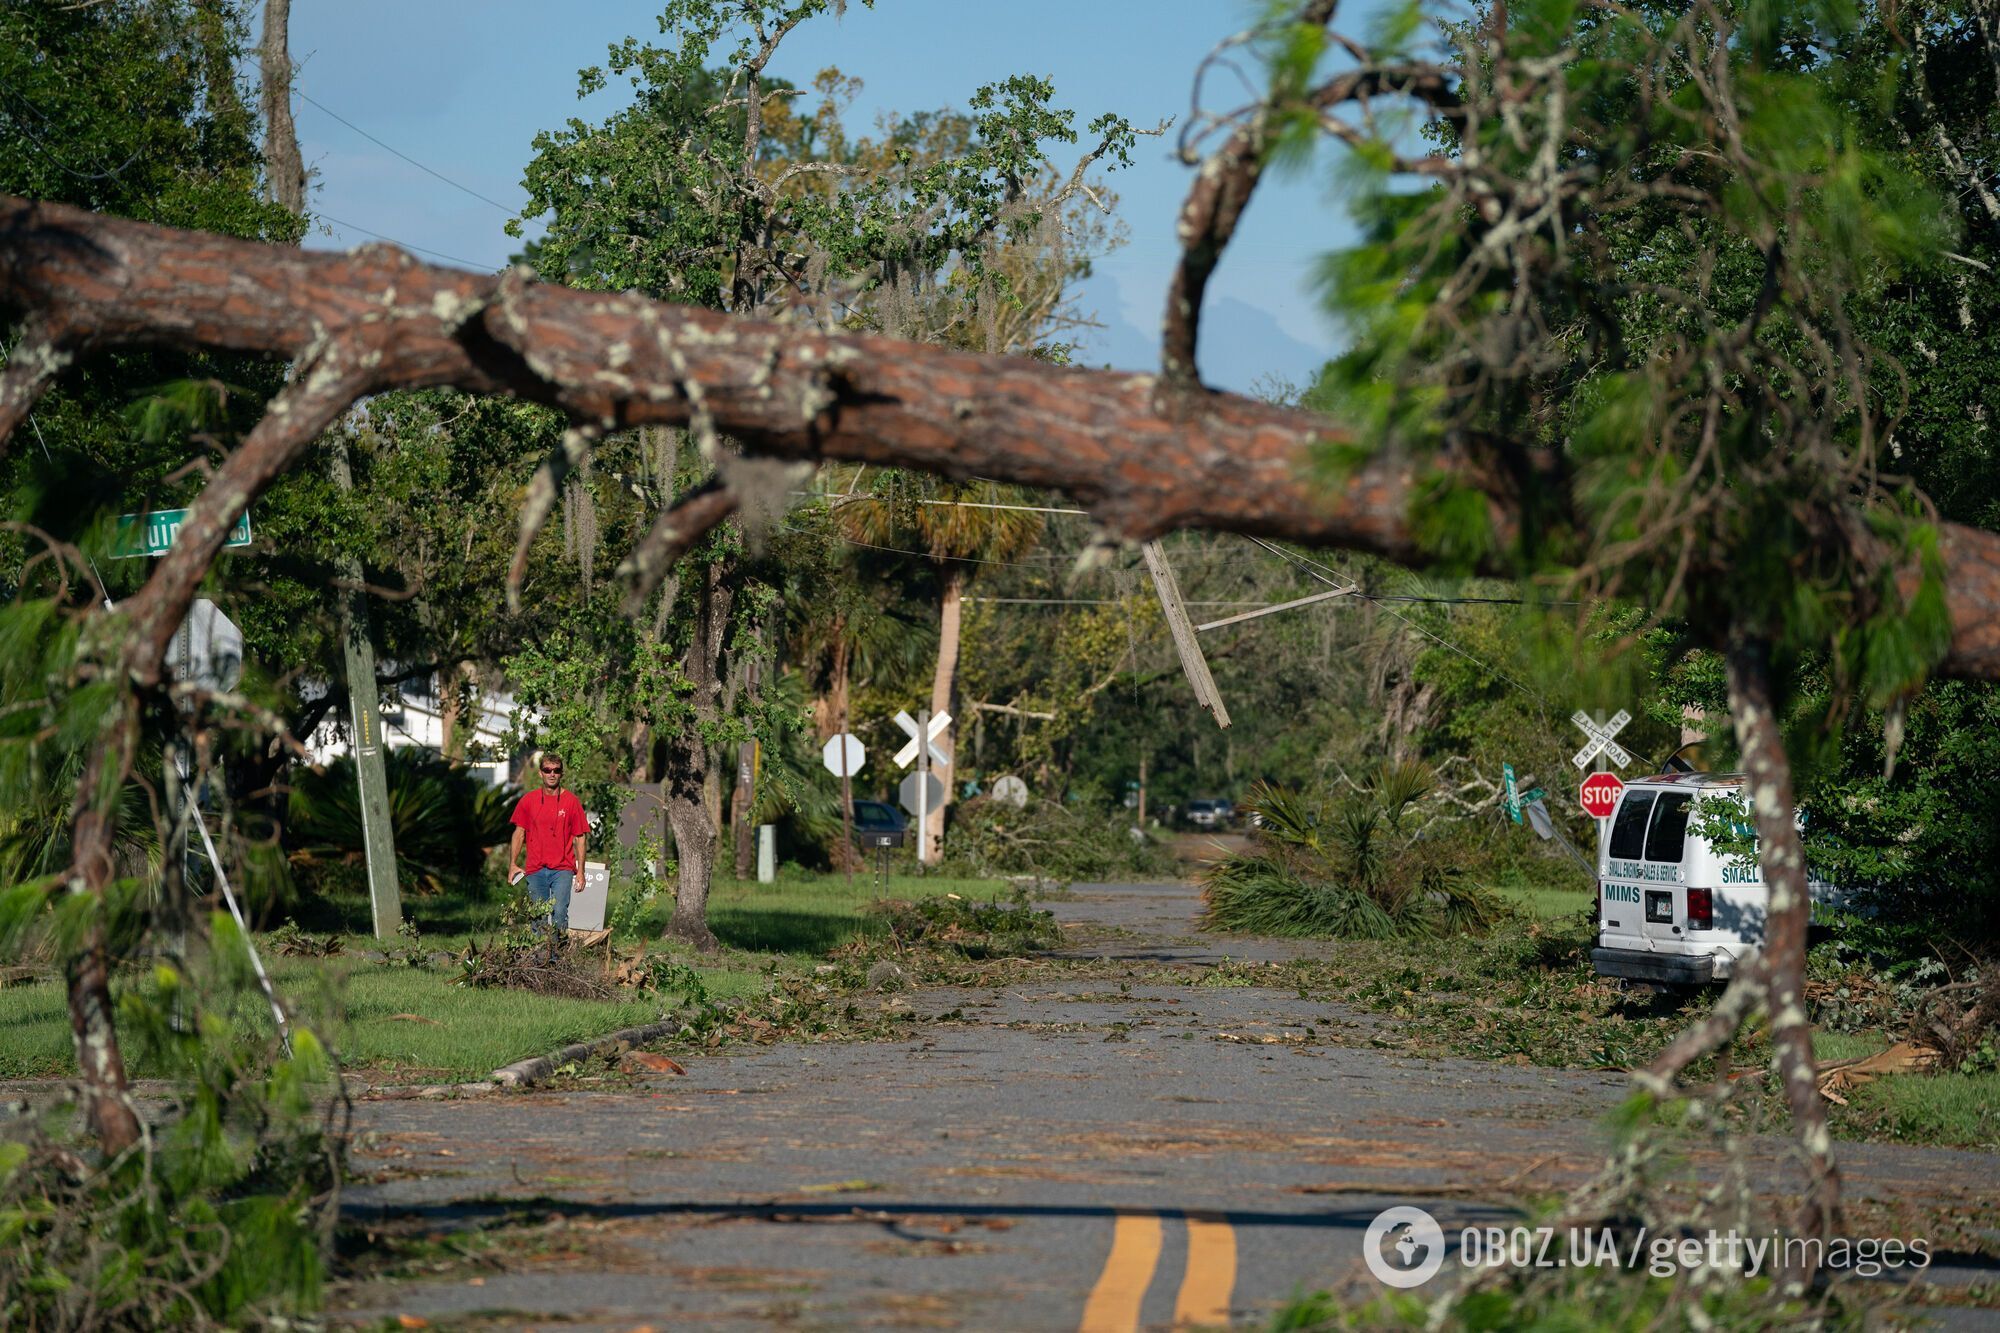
<point x="1207" y="460"/>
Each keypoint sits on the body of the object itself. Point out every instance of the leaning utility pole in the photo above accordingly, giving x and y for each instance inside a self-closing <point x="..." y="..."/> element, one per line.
<point x="285" y="180"/>
<point x="364" y="715"/>
<point x="1178" y="625"/>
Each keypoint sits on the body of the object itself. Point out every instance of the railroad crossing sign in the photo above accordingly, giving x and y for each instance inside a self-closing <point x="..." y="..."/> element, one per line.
<point x="927" y="735"/>
<point x="1600" y="742"/>
<point x="844" y="755"/>
<point x="921" y="800"/>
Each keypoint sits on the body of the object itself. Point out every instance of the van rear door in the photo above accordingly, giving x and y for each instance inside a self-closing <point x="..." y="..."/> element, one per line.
<point x="1664" y="891"/>
<point x="1621" y="905"/>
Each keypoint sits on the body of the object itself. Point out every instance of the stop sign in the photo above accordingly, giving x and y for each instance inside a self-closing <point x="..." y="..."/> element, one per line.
<point x="1600" y="793"/>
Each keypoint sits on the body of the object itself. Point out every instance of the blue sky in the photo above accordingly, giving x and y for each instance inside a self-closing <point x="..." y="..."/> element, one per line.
<point x="463" y="88"/>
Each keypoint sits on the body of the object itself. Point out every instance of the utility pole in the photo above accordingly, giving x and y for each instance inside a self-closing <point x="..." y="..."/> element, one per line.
<point x="1175" y="611"/>
<point x="364" y="715"/>
<point x="286" y="181"/>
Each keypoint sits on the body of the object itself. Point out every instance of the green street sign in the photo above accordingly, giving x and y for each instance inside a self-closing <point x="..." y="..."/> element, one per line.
<point x="154" y="533"/>
<point x="1513" y="795"/>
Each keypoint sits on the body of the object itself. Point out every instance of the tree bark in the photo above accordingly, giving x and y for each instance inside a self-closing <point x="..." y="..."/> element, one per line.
<point x="951" y="604"/>
<point x="284" y="169"/>
<point x="107" y="1097"/>
<point x="1143" y="467"/>
<point x="1773" y="807"/>
<point x="690" y="775"/>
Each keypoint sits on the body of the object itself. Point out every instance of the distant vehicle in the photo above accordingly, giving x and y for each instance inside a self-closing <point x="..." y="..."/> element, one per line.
<point x="879" y="824"/>
<point x="1672" y="909"/>
<point x="1210" y="813"/>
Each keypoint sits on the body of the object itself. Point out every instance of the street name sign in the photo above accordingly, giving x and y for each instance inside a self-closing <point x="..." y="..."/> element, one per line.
<point x="154" y="533"/>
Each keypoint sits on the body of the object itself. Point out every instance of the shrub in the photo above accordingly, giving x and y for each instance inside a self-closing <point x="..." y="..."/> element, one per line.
<point x="443" y="819"/>
<point x="221" y="1215"/>
<point x="1357" y="865"/>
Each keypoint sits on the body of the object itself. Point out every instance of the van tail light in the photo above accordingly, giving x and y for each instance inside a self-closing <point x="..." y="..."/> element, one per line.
<point x="1701" y="909"/>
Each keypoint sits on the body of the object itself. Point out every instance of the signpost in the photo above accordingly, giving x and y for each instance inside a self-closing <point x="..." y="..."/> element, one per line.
<point x="154" y="533"/>
<point x="923" y="731"/>
<point x="1599" y="797"/>
<point x="843" y="756"/>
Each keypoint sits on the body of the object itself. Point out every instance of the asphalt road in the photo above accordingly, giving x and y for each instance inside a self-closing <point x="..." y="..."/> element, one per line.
<point x="1090" y="1155"/>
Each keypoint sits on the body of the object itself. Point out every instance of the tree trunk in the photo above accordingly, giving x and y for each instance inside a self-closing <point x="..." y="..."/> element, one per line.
<point x="107" y="1098"/>
<point x="831" y="706"/>
<point x="950" y="608"/>
<point x="1768" y="774"/>
<point x="100" y="1065"/>
<point x="690" y="778"/>
<point x="694" y="840"/>
<point x="1144" y="463"/>
<point x="745" y="795"/>
<point x="284" y="170"/>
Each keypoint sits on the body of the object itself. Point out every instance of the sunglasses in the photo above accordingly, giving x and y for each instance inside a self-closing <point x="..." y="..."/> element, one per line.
<point x="547" y="769"/>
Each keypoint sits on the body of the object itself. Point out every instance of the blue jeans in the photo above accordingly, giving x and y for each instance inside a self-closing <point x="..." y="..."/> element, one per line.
<point x="547" y="885"/>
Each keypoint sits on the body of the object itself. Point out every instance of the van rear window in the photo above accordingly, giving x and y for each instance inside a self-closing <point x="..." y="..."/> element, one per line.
<point x="1668" y="838"/>
<point x="1628" y="830"/>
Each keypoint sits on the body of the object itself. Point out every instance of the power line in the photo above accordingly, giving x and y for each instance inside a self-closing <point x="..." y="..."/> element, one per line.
<point x="467" y="189"/>
<point x="1332" y="577"/>
<point x="420" y="249"/>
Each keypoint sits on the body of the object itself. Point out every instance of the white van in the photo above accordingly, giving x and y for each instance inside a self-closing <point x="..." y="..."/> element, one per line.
<point x="1670" y="908"/>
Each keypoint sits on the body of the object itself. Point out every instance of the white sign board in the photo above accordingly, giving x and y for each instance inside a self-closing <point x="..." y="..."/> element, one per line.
<point x="844" y="755"/>
<point x="207" y="649"/>
<point x="586" y="904"/>
<point x="1012" y="791"/>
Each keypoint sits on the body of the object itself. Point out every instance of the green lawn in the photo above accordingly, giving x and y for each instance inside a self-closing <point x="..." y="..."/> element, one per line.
<point x="470" y="1032"/>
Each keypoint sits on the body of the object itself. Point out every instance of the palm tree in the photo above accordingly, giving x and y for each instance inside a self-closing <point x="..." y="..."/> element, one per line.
<point x="958" y="528"/>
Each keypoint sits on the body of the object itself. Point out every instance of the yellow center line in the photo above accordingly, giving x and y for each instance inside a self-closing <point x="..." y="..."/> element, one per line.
<point x="1211" y="1273"/>
<point x="1114" y="1302"/>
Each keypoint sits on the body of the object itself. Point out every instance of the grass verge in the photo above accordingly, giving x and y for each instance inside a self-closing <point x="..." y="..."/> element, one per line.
<point x="388" y="1016"/>
<point x="1527" y="995"/>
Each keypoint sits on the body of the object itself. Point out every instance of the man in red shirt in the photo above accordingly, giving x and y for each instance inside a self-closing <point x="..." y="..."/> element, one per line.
<point x="549" y="824"/>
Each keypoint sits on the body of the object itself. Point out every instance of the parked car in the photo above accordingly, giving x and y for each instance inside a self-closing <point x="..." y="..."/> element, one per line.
<point x="1672" y="909"/>
<point x="879" y="824"/>
<point x="1211" y="812"/>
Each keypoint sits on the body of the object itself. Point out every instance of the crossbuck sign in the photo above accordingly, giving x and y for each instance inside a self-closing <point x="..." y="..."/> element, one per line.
<point x="938" y="722"/>
<point x="1600" y="740"/>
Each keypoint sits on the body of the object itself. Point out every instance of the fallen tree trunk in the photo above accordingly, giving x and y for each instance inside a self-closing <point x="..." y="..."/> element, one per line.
<point x="1145" y="458"/>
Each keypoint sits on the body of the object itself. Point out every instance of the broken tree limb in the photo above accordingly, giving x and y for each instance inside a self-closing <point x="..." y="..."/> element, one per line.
<point x="1207" y="460"/>
<point x="523" y="1072"/>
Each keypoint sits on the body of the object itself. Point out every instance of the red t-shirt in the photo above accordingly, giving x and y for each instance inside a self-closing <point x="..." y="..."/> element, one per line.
<point x="552" y="825"/>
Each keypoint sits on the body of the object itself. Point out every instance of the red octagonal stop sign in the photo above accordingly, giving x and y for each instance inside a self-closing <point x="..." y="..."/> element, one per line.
<point x="1600" y="793"/>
